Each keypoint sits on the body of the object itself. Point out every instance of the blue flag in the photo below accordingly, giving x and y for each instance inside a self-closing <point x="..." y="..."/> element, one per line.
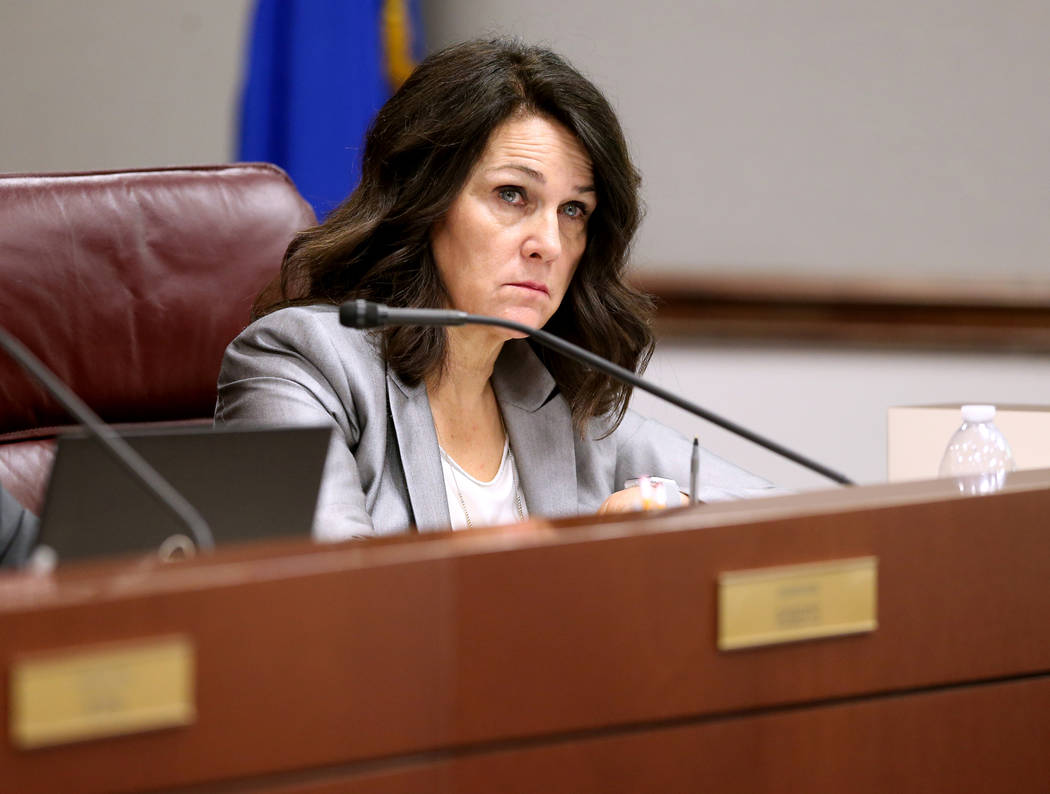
<point x="317" y="72"/>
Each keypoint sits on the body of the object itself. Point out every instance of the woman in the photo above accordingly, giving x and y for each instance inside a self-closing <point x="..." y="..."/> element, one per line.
<point x="496" y="181"/>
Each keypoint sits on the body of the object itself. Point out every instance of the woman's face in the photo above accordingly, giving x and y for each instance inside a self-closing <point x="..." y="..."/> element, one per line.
<point x="512" y="238"/>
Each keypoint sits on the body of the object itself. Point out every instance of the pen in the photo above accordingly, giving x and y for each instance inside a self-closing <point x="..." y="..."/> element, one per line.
<point x="694" y="472"/>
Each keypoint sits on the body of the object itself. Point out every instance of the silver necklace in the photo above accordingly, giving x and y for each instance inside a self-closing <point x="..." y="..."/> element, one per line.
<point x="514" y="485"/>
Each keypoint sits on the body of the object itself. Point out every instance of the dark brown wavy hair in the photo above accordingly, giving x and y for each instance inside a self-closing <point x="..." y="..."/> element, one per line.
<point x="418" y="154"/>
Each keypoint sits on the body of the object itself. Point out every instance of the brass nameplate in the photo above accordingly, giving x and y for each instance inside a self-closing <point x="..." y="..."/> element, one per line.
<point x="797" y="602"/>
<point x="87" y="693"/>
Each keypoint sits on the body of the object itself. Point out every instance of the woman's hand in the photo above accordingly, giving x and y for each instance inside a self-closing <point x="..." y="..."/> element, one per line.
<point x="625" y="501"/>
<point x="630" y="499"/>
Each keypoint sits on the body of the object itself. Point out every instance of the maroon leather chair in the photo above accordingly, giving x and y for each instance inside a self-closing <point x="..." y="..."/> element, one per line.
<point x="129" y="285"/>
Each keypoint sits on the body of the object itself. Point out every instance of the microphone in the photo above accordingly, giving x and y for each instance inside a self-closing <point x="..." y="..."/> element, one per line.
<point x="366" y="314"/>
<point x="139" y="468"/>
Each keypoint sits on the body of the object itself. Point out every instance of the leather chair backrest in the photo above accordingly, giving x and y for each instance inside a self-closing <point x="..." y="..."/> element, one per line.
<point x="129" y="285"/>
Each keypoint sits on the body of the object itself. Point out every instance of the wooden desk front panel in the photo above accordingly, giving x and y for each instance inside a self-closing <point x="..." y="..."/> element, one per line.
<point x="366" y="652"/>
<point x="990" y="738"/>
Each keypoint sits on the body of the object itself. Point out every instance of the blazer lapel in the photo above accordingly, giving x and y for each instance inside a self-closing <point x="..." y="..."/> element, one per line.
<point x="420" y="459"/>
<point x="539" y="426"/>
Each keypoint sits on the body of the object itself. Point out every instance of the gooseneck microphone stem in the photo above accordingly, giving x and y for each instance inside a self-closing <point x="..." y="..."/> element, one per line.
<point x="365" y="314"/>
<point x="136" y="465"/>
<point x="623" y="374"/>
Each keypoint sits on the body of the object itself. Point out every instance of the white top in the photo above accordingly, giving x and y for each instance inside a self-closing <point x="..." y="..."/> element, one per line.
<point x="473" y="503"/>
<point x="978" y="413"/>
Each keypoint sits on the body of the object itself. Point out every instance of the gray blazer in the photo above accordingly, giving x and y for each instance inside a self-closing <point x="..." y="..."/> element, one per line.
<point x="299" y="366"/>
<point x="18" y="528"/>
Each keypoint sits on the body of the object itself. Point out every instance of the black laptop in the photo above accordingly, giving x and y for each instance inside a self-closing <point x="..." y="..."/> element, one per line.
<point x="246" y="483"/>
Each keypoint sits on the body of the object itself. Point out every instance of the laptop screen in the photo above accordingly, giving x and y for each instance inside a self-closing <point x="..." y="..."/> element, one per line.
<point x="246" y="483"/>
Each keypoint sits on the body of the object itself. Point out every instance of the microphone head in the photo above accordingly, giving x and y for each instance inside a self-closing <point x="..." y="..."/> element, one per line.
<point x="360" y="314"/>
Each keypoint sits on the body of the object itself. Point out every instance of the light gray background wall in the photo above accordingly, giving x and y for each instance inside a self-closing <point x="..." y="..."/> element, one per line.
<point x="881" y="137"/>
<point x="877" y="138"/>
<point x="892" y="137"/>
<point x="103" y="84"/>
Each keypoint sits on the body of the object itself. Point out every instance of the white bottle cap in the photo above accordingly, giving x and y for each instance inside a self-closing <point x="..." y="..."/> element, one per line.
<point x="978" y="413"/>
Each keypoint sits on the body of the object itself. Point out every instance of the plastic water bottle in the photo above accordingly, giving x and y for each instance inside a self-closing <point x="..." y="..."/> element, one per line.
<point x="977" y="456"/>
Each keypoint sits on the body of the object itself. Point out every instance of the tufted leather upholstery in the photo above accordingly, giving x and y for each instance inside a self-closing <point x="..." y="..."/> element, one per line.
<point x="129" y="285"/>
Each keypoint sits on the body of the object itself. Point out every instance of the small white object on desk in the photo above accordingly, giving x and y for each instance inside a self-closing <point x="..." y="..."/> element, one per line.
<point x="656" y="492"/>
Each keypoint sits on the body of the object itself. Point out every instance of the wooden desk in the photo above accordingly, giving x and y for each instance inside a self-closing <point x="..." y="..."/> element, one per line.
<point x="578" y="656"/>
